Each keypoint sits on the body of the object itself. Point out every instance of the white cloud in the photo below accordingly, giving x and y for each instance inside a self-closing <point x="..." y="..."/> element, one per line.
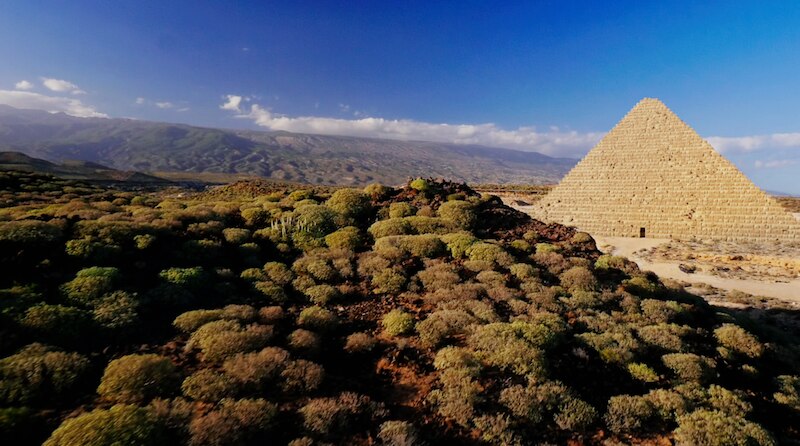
<point x="23" y="85"/>
<point x="232" y="103"/>
<point x="164" y="105"/>
<point x="140" y="101"/>
<point x="773" y="164"/>
<point x="183" y="109"/>
<point x="52" y="104"/>
<point x="756" y="142"/>
<point x="554" y="141"/>
<point x="61" y="86"/>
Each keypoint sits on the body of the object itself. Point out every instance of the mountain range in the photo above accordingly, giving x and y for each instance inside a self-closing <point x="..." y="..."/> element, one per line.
<point x="145" y="146"/>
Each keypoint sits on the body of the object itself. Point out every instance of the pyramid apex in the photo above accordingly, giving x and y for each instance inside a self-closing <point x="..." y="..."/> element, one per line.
<point x="650" y="102"/>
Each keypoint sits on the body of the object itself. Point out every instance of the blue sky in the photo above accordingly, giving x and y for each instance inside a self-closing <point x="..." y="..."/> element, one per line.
<point x="547" y="76"/>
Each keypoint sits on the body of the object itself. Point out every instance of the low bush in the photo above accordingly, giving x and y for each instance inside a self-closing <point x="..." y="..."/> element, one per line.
<point x="628" y="413"/>
<point x="401" y="209"/>
<point x="258" y="369"/>
<point x="138" y="378"/>
<point x="690" y="367"/>
<point x="209" y="386"/>
<point x="321" y="294"/>
<point x="121" y="425"/>
<point x="398" y="433"/>
<point x="346" y="238"/>
<point x="737" y="339"/>
<point x="301" y="376"/>
<point x="278" y="273"/>
<point x="360" y="343"/>
<point x="713" y="428"/>
<point x="459" y="212"/>
<point x="221" y="339"/>
<point x="304" y="341"/>
<point x="351" y="203"/>
<point x="38" y="373"/>
<point x="317" y="318"/>
<point x="234" y="422"/>
<point x="397" y="322"/>
<point x="345" y="413"/>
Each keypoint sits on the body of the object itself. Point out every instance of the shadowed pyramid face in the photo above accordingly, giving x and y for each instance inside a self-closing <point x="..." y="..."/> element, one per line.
<point x="653" y="174"/>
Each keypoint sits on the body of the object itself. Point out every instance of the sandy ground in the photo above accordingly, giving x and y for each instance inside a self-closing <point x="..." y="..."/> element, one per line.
<point x="788" y="290"/>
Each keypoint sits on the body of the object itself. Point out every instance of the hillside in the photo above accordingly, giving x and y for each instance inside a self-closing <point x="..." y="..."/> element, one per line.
<point x="151" y="146"/>
<point x="421" y="315"/>
<point x="73" y="169"/>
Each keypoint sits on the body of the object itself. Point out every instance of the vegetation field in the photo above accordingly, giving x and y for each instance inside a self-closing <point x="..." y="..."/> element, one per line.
<point x="425" y="314"/>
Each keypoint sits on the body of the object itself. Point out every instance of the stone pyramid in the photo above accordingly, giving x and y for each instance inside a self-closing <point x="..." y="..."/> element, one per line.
<point x="653" y="176"/>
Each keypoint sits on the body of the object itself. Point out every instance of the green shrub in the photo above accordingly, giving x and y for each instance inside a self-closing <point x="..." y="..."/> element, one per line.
<point x="144" y="241"/>
<point x="628" y="413"/>
<point x="496" y="429"/>
<point x="236" y="236"/>
<point x="659" y="311"/>
<point x="788" y="391"/>
<point x="401" y="209"/>
<point x="138" y="378"/>
<point x="668" y="337"/>
<point x="121" y="425"/>
<point x="234" y="422"/>
<point x="461" y="213"/>
<point x="346" y="413"/>
<point x="424" y="245"/>
<point x="727" y="401"/>
<point x="253" y="275"/>
<point x="271" y="291"/>
<point x="317" y="318"/>
<point x="352" y="203"/>
<point x="420" y="184"/>
<point x="713" y="428"/>
<point x="397" y="322"/>
<point x="209" y="386"/>
<point x="490" y="253"/>
<point x="668" y="404"/>
<point x="190" y="321"/>
<point x="321" y="294"/>
<point x="391" y="226"/>
<point x="522" y="271"/>
<point x="642" y="372"/>
<point x="191" y="278"/>
<point x="57" y="323"/>
<point x="316" y="221"/>
<point x="117" y="311"/>
<point x="38" y="373"/>
<point x="690" y="367"/>
<point x="388" y="281"/>
<point x="575" y="414"/>
<point x="29" y="232"/>
<point x="443" y="324"/>
<point x="377" y="191"/>
<point x="457" y="397"/>
<point x="737" y="339"/>
<point x="516" y="347"/>
<point x="458" y="358"/>
<point x="86" y="290"/>
<point x="346" y="238"/>
<point x="459" y="243"/>
<point x="278" y="273"/>
<point x="221" y="339"/>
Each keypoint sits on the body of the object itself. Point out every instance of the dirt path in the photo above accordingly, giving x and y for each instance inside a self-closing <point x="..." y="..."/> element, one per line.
<point x="628" y="247"/>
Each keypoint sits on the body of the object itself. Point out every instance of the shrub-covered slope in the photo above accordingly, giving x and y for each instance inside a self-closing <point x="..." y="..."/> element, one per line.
<point x="427" y="314"/>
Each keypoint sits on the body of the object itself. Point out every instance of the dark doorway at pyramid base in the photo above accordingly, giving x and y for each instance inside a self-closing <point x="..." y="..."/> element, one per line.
<point x="641" y="232"/>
